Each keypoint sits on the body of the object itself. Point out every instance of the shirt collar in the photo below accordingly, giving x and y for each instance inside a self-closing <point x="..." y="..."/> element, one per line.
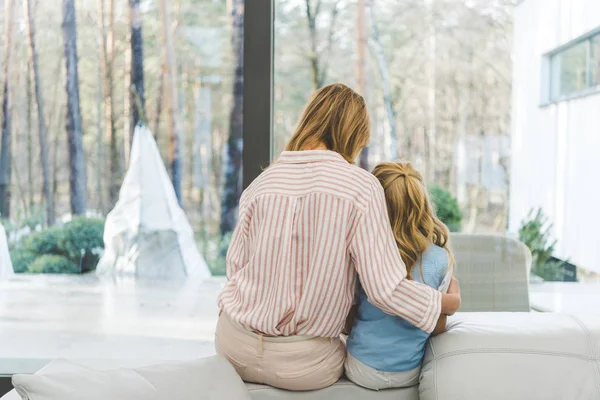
<point x="307" y="156"/>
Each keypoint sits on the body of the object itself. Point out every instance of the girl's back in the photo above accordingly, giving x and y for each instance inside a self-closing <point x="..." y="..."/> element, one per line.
<point x="389" y="343"/>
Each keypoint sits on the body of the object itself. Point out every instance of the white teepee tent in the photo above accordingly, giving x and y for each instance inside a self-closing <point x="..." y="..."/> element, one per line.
<point x="6" y="268"/>
<point x="147" y="234"/>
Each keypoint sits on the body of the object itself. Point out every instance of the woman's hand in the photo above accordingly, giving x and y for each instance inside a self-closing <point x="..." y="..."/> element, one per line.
<point x="451" y="300"/>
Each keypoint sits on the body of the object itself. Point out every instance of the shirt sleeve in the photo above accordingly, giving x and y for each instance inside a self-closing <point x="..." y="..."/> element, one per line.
<point x="236" y="254"/>
<point x="383" y="273"/>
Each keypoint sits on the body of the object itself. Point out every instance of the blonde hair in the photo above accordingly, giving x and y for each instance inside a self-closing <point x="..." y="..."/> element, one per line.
<point x="414" y="222"/>
<point x="336" y="116"/>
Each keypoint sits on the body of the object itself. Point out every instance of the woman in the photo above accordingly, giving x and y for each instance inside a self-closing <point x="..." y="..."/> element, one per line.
<point x="307" y="225"/>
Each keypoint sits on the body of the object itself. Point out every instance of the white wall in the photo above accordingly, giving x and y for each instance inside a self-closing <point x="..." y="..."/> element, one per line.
<point x="555" y="148"/>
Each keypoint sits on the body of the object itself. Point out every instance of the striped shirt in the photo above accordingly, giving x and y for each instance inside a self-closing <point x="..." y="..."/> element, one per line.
<point x="307" y="225"/>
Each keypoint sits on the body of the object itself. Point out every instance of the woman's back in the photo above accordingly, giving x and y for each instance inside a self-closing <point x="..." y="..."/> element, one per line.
<point x="290" y="271"/>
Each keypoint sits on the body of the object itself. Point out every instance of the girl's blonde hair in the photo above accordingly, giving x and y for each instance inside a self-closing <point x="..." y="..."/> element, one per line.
<point x="336" y="116"/>
<point x="412" y="216"/>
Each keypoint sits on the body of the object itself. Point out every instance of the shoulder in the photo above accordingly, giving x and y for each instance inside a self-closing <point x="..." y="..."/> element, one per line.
<point x="435" y="264"/>
<point x="367" y="188"/>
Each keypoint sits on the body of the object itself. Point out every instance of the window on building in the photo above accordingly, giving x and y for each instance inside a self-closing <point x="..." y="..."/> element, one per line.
<point x="575" y="69"/>
<point x="595" y="61"/>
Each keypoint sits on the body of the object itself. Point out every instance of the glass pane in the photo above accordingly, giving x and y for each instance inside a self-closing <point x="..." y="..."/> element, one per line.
<point x="569" y="70"/>
<point x="437" y="92"/>
<point x="595" y="61"/>
<point x="188" y="99"/>
<point x="74" y="155"/>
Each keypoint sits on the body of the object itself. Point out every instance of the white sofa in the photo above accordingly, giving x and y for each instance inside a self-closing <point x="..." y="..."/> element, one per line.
<point x="492" y="356"/>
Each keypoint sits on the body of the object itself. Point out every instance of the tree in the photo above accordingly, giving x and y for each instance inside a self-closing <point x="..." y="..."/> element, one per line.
<point x="172" y="99"/>
<point x="5" y="151"/>
<point x="233" y="167"/>
<point x="136" y="98"/>
<point x="107" y="60"/>
<point x="382" y="65"/>
<point x="42" y="130"/>
<point x="29" y="129"/>
<point x="78" y="179"/>
<point x="317" y="65"/>
<point x="361" y="44"/>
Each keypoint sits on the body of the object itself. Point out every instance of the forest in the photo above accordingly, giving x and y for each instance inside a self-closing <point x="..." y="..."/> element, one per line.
<point x="77" y="76"/>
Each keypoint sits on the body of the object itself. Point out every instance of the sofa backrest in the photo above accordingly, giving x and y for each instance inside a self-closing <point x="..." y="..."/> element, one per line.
<point x="493" y="272"/>
<point x="516" y="356"/>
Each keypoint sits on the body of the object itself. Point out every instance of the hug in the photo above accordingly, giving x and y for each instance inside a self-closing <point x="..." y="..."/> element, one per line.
<point x="324" y="248"/>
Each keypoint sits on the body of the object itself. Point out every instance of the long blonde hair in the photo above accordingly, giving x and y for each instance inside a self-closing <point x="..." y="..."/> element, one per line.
<point x="414" y="222"/>
<point x="336" y="116"/>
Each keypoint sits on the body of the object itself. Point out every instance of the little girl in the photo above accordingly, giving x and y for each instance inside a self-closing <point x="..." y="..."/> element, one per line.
<point x="385" y="351"/>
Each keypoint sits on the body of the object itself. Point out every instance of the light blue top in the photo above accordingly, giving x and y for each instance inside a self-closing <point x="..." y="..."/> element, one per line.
<point x="388" y="343"/>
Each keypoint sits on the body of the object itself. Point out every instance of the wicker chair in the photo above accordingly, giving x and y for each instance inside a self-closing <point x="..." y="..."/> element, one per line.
<point x="493" y="272"/>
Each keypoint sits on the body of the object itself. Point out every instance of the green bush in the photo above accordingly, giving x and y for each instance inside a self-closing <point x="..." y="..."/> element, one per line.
<point x="535" y="233"/>
<point x="22" y="259"/>
<point x="53" y="264"/>
<point x="79" y="238"/>
<point x="72" y="248"/>
<point x="446" y="207"/>
<point x="44" y="242"/>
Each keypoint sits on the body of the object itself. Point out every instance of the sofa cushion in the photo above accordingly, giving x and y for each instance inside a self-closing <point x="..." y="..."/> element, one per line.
<point x="342" y="390"/>
<point x="513" y="356"/>
<point x="208" y="378"/>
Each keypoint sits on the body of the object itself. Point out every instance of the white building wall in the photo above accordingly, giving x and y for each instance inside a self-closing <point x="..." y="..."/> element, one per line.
<point x="555" y="148"/>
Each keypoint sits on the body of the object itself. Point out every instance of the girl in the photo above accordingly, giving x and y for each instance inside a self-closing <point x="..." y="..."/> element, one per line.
<point x="385" y="351"/>
<point x="307" y="225"/>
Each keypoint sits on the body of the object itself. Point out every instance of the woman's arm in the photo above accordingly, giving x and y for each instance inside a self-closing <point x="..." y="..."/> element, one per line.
<point x="383" y="273"/>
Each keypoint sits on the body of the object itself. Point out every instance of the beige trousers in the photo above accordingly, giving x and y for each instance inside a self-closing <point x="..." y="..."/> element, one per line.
<point x="370" y="378"/>
<point x="292" y="363"/>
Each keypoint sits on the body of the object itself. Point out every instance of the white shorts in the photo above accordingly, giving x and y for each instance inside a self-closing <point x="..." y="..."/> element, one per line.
<point x="370" y="378"/>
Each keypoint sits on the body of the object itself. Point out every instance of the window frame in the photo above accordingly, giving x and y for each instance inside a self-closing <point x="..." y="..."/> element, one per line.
<point x="259" y="22"/>
<point x="550" y="77"/>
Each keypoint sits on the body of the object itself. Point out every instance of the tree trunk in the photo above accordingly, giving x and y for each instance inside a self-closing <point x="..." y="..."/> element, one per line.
<point x="128" y="105"/>
<point x="385" y="82"/>
<point x="107" y="53"/>
<point x="159" y="100"/>
<point x="42" y="129"/>
<point x="99" y="147"/>
<point x="317" y="65"/>
<point x="233" y="167"/>
<point x="431" y="89"/>
<point x="78" y="178"/>
<point x="172" y="101"/>
<point x="190" y="110"/>
<point x="5" y="150"/>
<point x="361" y="44"/>
<point x="29" y="124"/>
<point x="311" y="19"/>
<point x="135" y="90"/>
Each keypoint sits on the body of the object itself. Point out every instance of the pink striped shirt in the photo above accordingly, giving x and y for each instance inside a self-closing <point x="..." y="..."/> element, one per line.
<point x="307" y="225"/>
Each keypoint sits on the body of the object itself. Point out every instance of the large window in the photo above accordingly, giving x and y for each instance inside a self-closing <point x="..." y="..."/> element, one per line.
<point x="436" y="79"/>
<point x="575" y="69"/>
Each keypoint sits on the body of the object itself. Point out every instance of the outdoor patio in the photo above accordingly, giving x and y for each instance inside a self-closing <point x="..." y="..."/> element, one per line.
<point x="44" y="317"/>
